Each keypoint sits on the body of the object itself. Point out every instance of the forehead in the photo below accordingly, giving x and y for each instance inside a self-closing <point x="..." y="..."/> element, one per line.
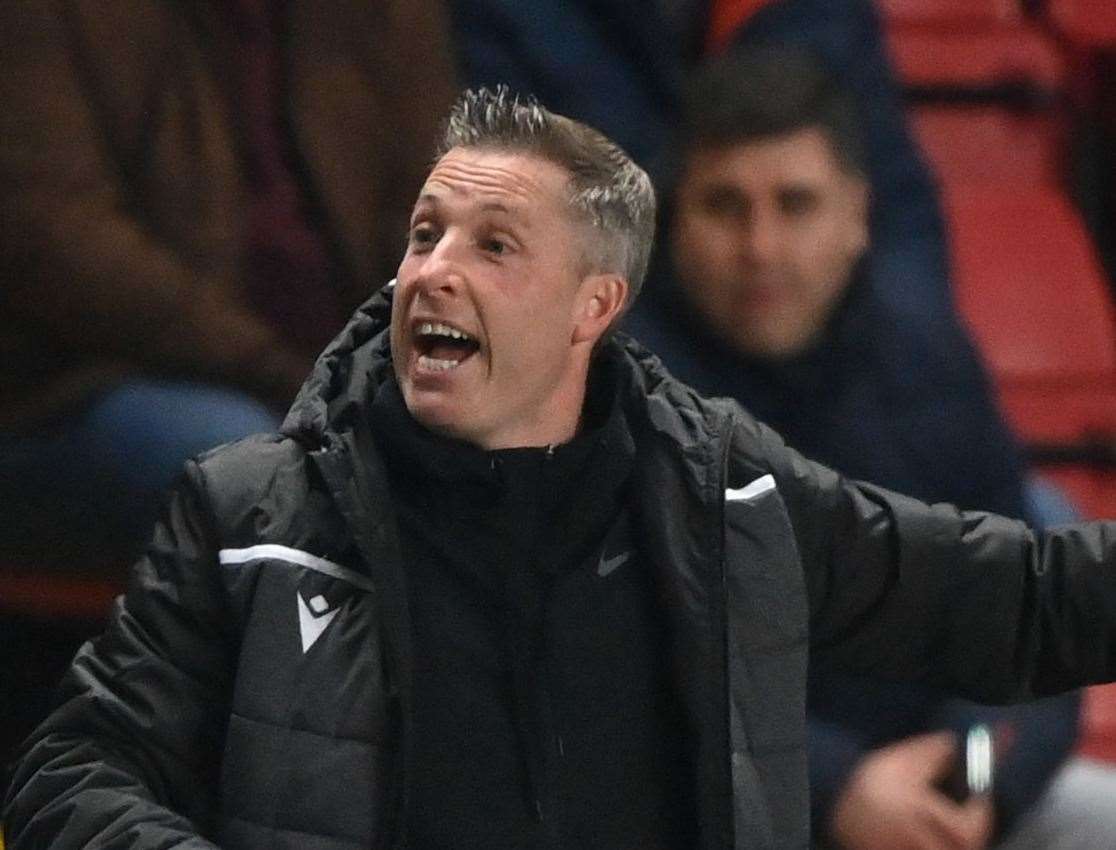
<point x="521" y="184"/>
<point x="802" y="156"/>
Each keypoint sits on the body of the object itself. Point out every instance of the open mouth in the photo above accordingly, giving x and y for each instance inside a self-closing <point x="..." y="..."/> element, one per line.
<point x="442" y="347"/>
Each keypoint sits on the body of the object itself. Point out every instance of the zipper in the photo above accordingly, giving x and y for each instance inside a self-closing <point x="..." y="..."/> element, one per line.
<point x="342" y="477"/>
<point x="722" y="629"/>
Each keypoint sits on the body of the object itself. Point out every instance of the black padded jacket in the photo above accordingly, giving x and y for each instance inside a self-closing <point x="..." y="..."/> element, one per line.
<point x="252" y="688"/>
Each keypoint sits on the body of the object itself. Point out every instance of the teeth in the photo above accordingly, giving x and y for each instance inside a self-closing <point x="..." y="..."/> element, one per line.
<point x="437" y="328"/>
<point x="436" y="365"/>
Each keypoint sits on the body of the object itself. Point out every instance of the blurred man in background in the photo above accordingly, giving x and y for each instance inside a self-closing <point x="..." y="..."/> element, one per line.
<point x="194" y="198"/>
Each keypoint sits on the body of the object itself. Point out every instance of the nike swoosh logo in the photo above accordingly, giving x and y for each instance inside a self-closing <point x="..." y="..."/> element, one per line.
<point x="311" y="625"/>
<point x="607" y="566"/>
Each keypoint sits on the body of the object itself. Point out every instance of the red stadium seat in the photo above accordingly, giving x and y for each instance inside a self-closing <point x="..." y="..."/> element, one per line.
<point x="990" y="145"/>
<point x="1098" y="723"/>
<point x="45" y="595"/>
<point x="950" y="13"/>
<point x="986" y="99"/>
<point x="977" y="56"/>
<point x="1030" y="287"/>
<point x="1085" y="24"/>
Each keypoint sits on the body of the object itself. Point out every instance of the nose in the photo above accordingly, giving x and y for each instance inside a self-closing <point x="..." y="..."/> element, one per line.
<point x="440" y="271"/>
<point x="762" y="239"/>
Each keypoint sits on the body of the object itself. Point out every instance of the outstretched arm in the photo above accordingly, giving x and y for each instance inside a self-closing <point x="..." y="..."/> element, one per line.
<point x="974" y="603"/>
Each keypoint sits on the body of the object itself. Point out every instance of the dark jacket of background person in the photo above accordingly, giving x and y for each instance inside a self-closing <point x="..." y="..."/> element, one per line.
<point x="614" y="64"/>
<point x="201" y="712"/>
<point x="909" y="408"/>
<point x="123" y="192"/>
<point x="618" y="65"/>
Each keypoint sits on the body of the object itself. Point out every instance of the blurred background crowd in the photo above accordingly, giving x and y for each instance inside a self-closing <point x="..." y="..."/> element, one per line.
<point x="887" y="228"/>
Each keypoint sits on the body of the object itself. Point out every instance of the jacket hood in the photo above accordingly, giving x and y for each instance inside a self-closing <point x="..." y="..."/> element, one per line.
<point x="347" y="374"/>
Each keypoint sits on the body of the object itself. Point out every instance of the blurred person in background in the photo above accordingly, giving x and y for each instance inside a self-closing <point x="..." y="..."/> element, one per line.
<point x="193" y="198"/>
<point x="620" y="65"/>
<point x="766" y="292"/>
<point x="907" y="242"/>
<point x="1077" y="813"/>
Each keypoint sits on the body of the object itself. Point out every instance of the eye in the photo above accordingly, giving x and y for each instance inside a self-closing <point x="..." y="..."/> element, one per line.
<point x="422" y="235"/>
<point x="496" y="242"/>
<point x="723" y="203"/>
<point x="798" y="203"/>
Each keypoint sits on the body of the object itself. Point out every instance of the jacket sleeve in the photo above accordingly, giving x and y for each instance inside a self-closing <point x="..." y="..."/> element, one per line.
<point x="974" y="603"/>
<point x="80" y="265"/>
<point x="130" y="757"/>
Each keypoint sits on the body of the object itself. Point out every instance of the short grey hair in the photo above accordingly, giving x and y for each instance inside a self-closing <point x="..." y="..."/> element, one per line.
<point x="607" y="189"/>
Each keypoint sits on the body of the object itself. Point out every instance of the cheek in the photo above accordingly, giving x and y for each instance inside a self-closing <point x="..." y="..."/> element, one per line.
<point x="407" y="267"/>
<point x="832" y="259"/>
<point x="705" y="250"/>
<point x="716" y="298"/>
<point x="822" y="275"/>
<point x="829" y="244"/>
<point x="543" y="349"/>
<point x="399" y="302"/>
<point x="812" y="248"/>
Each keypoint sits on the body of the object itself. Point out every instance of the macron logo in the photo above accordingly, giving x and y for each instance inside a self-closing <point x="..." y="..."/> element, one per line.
<point x="607" y="566"/>
<point x="314" y="618"/>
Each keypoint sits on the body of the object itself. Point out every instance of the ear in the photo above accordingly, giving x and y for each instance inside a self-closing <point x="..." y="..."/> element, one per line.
<point x="600" y="300"/>
<point x="860" y="208"/>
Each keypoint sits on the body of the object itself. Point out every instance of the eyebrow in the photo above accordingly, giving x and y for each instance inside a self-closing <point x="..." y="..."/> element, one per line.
<point x="433" y="200"/>
<point x="799" y="190"/>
